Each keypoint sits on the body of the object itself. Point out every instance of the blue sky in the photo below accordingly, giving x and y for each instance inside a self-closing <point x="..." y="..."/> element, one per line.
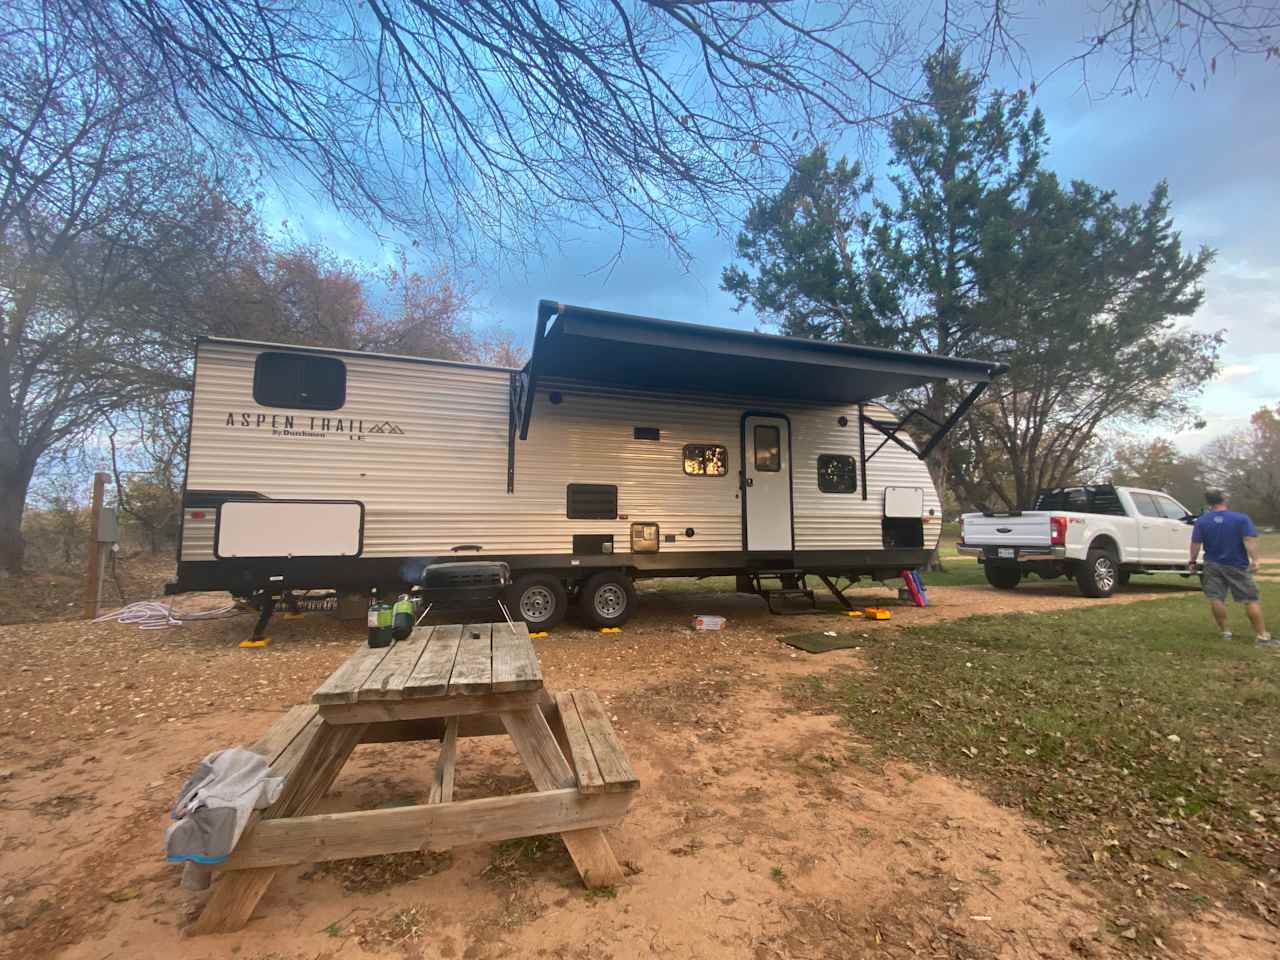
<point x="1218" y="146"/>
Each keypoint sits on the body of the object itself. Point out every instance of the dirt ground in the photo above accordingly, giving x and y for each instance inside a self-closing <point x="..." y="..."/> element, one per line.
<point x="759" y="831"/>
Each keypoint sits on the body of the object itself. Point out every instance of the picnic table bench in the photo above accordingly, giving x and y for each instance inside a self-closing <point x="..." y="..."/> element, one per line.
<point x="442" y="683"/>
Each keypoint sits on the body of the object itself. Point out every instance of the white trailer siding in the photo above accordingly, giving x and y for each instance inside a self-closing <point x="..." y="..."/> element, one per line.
<point x="827" y="521"/>
<point x="428" y="459"/>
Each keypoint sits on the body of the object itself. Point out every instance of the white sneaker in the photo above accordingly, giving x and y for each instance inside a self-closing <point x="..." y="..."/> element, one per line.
<point x="1226" y="635"/>
<point x="1266" y="640"/>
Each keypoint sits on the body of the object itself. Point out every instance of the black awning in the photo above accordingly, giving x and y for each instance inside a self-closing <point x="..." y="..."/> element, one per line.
<point x="643" y="353"/>
<point x="617" y="349"/>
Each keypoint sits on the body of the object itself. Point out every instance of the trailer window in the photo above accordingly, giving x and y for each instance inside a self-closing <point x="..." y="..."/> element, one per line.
<point x="299" y="381"/>
<point x="837" y="473"/>
<point x="591" y="501"/>
<point x="705" y="460"/>
<point x="768" y="444"/>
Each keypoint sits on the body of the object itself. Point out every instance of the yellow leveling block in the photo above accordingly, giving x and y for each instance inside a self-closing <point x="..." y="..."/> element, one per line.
<point x="876" y="613"/>
<point x="610" y="629"/>
<point x="253" y="644"/>
<point x="539" y="635"/>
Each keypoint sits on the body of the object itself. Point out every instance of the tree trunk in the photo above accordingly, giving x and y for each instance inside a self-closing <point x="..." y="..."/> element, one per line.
<point x="16" y="470"/>
<point x="937" y="466"/>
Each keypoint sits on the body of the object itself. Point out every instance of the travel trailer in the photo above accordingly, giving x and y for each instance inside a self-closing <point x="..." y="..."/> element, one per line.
<point x="626" y="448"/>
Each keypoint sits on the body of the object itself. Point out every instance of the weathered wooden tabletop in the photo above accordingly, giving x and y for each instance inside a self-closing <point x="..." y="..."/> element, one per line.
<point x="436" y="663"/>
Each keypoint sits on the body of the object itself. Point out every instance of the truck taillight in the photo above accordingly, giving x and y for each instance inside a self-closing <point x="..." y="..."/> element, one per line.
<point x="1058" y="531"/>
<point x="962" y="531"/>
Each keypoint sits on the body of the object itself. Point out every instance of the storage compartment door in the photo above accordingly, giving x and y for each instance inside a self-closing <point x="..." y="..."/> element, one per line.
<point x="904" y="502"/>
<point x="289" y="528"/>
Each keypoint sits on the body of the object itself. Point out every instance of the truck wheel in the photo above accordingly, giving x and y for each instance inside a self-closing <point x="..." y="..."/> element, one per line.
<point x="539" y="600"/>
<point x="1099" y="574"/>
<point x="1002" y="576"/>
<point x="608" y="599"/>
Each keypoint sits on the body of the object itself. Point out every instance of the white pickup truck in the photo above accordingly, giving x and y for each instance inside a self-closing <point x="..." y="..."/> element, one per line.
<point x="1100" y="535"/>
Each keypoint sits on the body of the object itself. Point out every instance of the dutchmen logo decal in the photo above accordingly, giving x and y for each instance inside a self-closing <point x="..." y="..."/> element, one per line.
<point x="293" y="425"/>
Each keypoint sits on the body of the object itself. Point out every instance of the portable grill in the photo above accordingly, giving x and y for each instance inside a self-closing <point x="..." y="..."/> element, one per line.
<point x="465" y="582"/>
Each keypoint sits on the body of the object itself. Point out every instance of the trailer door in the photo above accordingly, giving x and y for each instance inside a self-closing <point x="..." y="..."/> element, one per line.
<point x="767" y="482"/>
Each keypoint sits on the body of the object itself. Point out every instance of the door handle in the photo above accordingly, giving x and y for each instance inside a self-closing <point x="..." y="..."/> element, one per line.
<point x="750" y="482"/>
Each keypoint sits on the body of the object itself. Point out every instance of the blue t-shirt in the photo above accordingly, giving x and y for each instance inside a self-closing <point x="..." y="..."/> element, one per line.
<point x="1222" y="532"/>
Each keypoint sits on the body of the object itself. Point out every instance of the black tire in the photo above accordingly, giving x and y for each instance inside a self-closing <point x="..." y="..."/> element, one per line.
<point x="1122" y="578"/>
<point x="607" y="599"/>
<point x="539" y="600"/>
<point x="1002" y="576"/>
<point x="1099" y="575"/>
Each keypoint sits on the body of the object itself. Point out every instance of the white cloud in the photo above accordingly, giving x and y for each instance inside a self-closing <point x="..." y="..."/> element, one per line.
<point x="1236" y="371"/>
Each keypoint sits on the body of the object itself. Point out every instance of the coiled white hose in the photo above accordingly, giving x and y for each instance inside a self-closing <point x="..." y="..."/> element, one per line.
<point x="150" y="615"/>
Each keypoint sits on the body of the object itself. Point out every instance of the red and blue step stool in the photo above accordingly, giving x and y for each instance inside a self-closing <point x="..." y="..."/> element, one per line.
<point x="915" y="586"/>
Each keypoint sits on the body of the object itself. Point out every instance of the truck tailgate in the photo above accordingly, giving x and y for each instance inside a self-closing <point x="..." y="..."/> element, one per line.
<point x="1027" y="530"/>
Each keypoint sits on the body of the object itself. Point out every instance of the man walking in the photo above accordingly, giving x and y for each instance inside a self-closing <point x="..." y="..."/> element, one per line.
<point x="1230" y="543"/>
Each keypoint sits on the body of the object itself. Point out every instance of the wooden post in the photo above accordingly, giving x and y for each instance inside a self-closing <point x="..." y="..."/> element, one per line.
<point x="93" y="578"/>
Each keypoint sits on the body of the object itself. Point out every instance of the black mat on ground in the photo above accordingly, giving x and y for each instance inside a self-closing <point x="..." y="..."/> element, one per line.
<point x="820" y="642"/>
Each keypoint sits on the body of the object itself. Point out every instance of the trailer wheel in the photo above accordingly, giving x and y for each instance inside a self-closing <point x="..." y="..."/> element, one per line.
<point x="1099" y="574"/>
<point x="608" y="599"/>
<point x="1002" y="576"/>
<point x="539" y="600"/>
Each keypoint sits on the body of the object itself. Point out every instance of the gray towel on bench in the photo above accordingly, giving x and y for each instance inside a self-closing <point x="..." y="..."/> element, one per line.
<point x="214" y="805"/>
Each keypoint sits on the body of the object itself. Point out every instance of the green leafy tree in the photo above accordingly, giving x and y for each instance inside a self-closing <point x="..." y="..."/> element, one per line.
<point x="984" y="253"/>
<point x="826" y="260"/>
<point x="1158" y="465"/>
<point x="1083" y="299"/>
<point x="1246" y="463"/>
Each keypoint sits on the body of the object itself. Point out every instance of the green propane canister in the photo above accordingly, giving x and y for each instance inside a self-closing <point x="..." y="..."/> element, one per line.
<point x="380" y="625"/>
<point x="402" y="617"/>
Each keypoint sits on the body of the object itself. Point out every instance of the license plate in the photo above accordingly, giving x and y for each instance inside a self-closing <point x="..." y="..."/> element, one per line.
<point x="1006" y="553"/>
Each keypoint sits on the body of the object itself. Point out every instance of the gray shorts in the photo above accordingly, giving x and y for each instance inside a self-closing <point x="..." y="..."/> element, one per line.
<point x="1219" y="578"/>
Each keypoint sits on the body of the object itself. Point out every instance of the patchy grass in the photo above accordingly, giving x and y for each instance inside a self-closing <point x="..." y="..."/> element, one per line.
<point x="957" y="571"/>
<point x="512" y="860"/>
<point x="1148" y="747"/>
<point x="395" y="928"/>
<point x="1269" y="545"/>
<point x="371" y="874"/>
<point x="688" y="585"/>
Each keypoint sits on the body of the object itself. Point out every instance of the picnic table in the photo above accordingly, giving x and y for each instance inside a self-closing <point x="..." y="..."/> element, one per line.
<point x="442" y="683"/>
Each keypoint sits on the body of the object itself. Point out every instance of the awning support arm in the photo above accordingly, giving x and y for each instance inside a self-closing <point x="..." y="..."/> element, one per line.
<point x="952" y="420"/>
<point x="862" y="451"/>
<point x="891" y="432"/>
<point x="514" y="409"/>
